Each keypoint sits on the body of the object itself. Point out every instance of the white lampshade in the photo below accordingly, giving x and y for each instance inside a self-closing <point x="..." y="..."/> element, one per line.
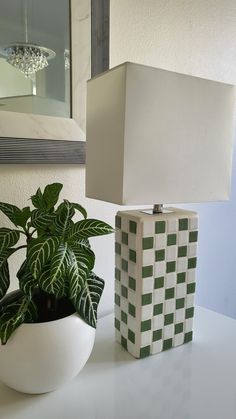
<point x="155" y="136"/>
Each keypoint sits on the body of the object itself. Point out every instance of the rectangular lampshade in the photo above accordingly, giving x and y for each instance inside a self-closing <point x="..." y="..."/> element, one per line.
<point x="155" y="136"/>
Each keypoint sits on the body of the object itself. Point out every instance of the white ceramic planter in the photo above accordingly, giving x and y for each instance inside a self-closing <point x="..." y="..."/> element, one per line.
<point x="41" y="357"/>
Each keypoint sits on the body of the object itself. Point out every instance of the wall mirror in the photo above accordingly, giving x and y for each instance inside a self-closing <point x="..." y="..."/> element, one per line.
<point x="35" y="57"/>
<point x="48" y="50"/>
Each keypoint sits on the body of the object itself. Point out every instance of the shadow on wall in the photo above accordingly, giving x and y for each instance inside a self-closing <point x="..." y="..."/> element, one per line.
<point x="216" y="273"/>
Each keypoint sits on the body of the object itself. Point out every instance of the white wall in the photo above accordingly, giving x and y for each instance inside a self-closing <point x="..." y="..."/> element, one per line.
<point x="196" y="37"/>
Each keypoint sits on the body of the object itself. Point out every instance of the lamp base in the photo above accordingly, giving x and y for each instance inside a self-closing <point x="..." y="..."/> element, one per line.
<point x="155" y="279"/>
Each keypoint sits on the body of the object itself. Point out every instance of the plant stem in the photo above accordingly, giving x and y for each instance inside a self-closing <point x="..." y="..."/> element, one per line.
<point x="20" y="247"/>
<point x="31" y="234"/>
<point x="27" y="233"/>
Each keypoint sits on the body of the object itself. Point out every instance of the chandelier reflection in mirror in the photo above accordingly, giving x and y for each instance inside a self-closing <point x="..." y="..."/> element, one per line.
<point x="26" y="57"/>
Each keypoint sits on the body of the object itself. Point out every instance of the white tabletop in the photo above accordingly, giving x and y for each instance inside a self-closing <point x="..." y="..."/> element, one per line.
<point x="194" y="381"/>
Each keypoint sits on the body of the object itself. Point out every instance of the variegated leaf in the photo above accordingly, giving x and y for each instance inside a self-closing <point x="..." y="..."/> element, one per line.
<point x="24" y="216"/>
<point x="14" y="315"/>
<point x="88" y="228"/>
<point x="4" y="255"/>
<point x="63" y="222"/>
<point x="11" y="211"/>
<point x="54" y="281"/>
<point x="88" y="299"/>
<point x="4" y="278"/>
<point x="45" y="274"/>
<point x="8" y="238"/>
<point x="31" y="314"/>
<point x="17" y="216"/>
<point x="44" y="278"/>
<point x="10" y="298"/>
<point x="9" y="322"/>
<point x="41" y="219"/>
<point x="37" y="200"/>
<point x="40" y="252"/>
<point x="84" y="255"/>
<point x="77" y="274"/>
<point x="81" y="209"/>
<point x="4" y="271"/>
<point x="84" y="243"/>
<point x="46" y="200"/>
<point x="26" y="281"/>
<point x="51" y="194"/>
<point x="76" y="280"/>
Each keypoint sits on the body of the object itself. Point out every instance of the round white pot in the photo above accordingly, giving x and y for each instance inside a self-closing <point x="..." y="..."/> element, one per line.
<point x="40" y="357"/>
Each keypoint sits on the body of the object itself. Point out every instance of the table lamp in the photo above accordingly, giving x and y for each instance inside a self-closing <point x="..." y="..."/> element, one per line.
<point x="157" y="137"/>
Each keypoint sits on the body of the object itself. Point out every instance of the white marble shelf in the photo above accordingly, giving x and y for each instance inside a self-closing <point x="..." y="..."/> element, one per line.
<point x="194" y="381"/>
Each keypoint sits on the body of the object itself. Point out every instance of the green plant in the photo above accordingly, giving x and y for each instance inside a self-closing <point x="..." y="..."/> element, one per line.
<point x="58" y="264"/>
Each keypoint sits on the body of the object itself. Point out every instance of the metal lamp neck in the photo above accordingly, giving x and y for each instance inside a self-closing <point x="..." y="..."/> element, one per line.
<point x="157" y="208"/>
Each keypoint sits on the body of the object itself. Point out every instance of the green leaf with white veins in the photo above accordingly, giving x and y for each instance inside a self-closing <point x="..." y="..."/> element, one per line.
<point x="51" y="195"/>
<point x="55" y="282"/>
<point x="14" y="315"/>
<point x="63" y="221"/>
<point x="88" y="299"/>
<point x="77" y="273"/>
<point x="88" y="228"/>
<point x="17" y="216"/>
<point x="9" y="322"/>
<point x="4" y="255"/>
<point x="11" y="211"/>
<point x="38" y="201"/>
<point x="41" y="219"/>
<point x="24" y="216"/>
<point x="84" y="243"/>
<point x="46" y="200"/>
<point x="26" y="281"/>
<point x="8" y="238"/>
<point x="83" y="254"/>
<point x="4" y="278"/>
<point x="43" y="280"/>
<point x="81" y="209"/>
<point x="4" y="271"/>
<point x="40" y="252"/>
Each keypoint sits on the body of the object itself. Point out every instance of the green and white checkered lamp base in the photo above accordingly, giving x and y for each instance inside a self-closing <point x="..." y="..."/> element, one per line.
<point x="155" y="279"/>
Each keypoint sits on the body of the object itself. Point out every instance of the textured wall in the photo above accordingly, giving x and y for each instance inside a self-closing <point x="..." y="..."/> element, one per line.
<point x="191" y="36"/>
<point x="195" y="37"/>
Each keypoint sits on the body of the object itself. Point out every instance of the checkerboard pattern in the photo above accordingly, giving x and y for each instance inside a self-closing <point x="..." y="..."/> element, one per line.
<point x="155" y="280"/>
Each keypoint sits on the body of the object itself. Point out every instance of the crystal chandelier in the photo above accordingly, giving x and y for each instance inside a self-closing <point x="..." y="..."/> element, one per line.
<point x="26" y="57"/>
